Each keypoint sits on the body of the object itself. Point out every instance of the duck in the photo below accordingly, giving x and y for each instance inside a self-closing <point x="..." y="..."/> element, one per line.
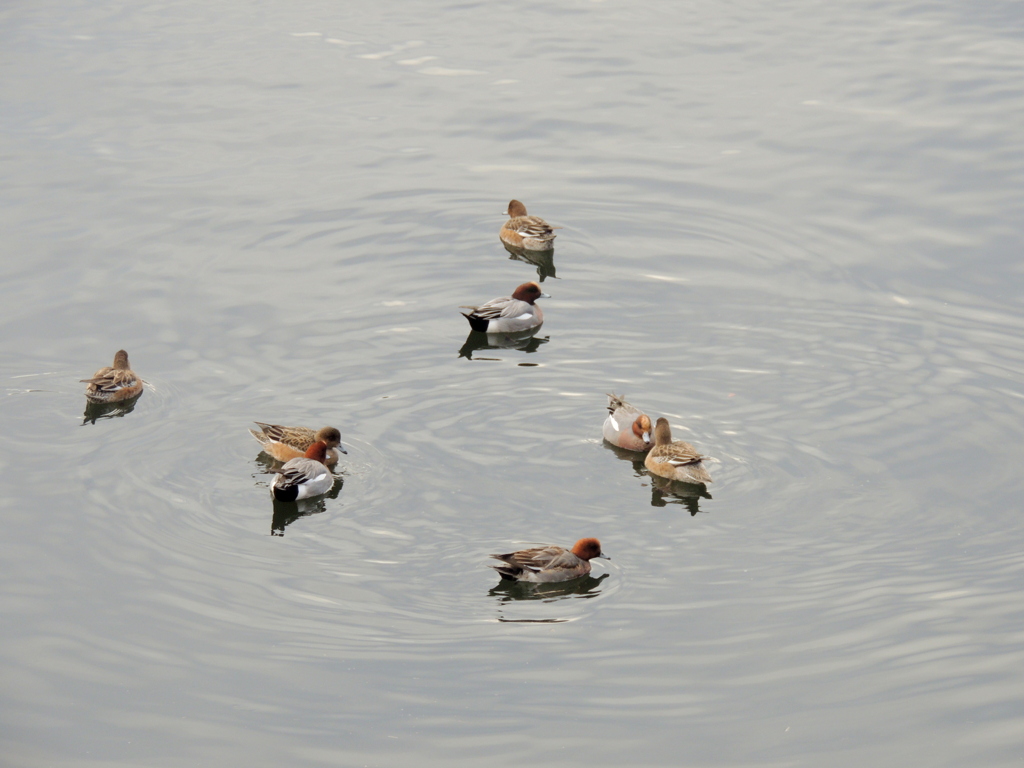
<point x="115" y="383"/>
<point x="508" y="314"/>
<point x="287" y="443"/>
<point x="303" y="477"/>
<point x="626" y="426"/>
<point x="529" y="232"/>
<point x="675" y="459"/>
<point x="549" y="564"/>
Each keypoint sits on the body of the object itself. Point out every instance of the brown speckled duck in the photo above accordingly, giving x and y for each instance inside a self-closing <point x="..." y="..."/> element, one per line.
<point x="113" y="384"/>
<point x="287" y="443"/>
<point x="676" y="460"/>
<point x="529" y="232"/>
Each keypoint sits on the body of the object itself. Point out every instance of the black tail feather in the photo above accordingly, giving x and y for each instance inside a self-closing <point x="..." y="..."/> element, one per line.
<point x="286" y="493"/>
<point x="507" y="572"/>
<point x="476" y="323"/>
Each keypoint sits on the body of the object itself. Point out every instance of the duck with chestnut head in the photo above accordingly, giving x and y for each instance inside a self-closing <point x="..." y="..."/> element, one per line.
<point x="627" y="427"/>
<point x="548" y="564"/>
<point x="304" y="477"/>
<point x="508" y="314"/>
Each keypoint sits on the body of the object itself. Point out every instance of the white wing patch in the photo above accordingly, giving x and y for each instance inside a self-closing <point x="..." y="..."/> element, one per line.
<point x="681" y="462"/>
<point x="615" y="424"/>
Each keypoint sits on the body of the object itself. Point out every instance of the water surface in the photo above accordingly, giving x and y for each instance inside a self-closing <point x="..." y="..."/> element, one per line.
<point x="792" y="229"/>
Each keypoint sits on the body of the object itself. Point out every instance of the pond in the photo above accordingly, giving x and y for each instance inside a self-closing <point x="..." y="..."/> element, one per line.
<point x="792" y="229"/>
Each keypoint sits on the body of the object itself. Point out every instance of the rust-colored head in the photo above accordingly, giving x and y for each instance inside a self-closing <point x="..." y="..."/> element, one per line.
<point x="586" y="549"/>
<point x="516" y="209"/>
<point x="317" y="451"/>
<point x="662" y="432"/>
<point x="528" y="292"/>
<point x="121" y="360"/>
<point x="642" y="427"/>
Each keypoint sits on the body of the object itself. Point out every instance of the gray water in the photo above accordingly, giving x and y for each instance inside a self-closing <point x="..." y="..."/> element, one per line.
<point x="793" y="228"/>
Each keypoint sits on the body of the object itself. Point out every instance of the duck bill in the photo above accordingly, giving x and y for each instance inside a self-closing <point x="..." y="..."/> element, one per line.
<point x="545" y="296"/>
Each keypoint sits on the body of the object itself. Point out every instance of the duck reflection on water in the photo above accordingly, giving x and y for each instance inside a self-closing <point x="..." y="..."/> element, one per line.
<point x="544" y="261"/>
<point x="584" y="587"/>
<point x="525" y="341"/>
<point x="95" y="411"/>
<point x="287" y="512"/>
<point x="665" y="492"/>
<point x="633" y="457"/>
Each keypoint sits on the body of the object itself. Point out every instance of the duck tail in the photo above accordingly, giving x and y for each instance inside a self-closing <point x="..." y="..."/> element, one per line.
<point x="261" y="438"/>
<point x="614" y="402"/>
<point x="699" y="474"/>
<point x="507" y="572"/>
<point x="285" y="492"/>
<point x="476" y="322"/>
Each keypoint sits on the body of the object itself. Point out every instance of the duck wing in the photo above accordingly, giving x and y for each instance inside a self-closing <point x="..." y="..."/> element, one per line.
<point x="300" y="472"/>
<point x="678" y="454"/>
<point x="299" y="438"/>
<point x="538" y="558"/>
<point x="532" y="227"/>
<point x="111" y="380"/>
<point x="503" y="307"/>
